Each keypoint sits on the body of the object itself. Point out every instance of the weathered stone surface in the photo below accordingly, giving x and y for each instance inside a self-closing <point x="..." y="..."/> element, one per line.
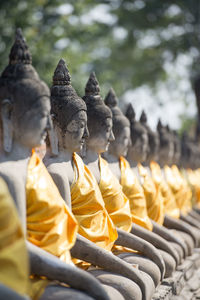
<point x="163" y="292"/>
<point x="195" y="257"/>
<point x="187" y="267"/>
<point x="176" y="282"/>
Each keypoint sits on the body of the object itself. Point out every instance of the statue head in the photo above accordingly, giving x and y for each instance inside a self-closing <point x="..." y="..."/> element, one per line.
<point x="190" y="153"/>
<point x="139" y="138"/>
<point x="153" y="139"/>
<point x="177" y="147"/>
<point x="68" y="113"/>
<point x="99" y="117"/>
<point x="121" y="127"/>
<point x="166" y="149"/>
<point x="24" y="100"/>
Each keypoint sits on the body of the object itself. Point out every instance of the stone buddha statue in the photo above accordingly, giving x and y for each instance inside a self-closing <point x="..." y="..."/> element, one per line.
<point x="117" y="204"/>
<point x="80" y="190"/>
<point x="25" y="118"/>
<point x="189" y="163"/>
<point x="137" y="154"/>
<point x="170" y="188"/>
<point x="184" y="199"/>
<point x="130" y="184"/>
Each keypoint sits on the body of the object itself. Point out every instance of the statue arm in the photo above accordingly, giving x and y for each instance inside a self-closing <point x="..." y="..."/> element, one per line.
<point x="164" y="234"/>
<point x="190" y="220"/>
<point x="88" y="251"/>
<point x="193" y="213"/>
<point x="156" y="240"/>
<point x="136" y="243"/>
<point x="172" y="223"/>
<point x="45" y="264"/>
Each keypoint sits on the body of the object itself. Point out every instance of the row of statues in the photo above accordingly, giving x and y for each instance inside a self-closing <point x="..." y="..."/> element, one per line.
<point x="109" y="212"/>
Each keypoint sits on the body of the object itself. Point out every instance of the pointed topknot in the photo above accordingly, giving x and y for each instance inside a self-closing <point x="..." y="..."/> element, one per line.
<point x="19" y="52"/>
<point x="143" y="117"/>
<point x="111" y="98"/>
<point x="130" y="112"/>
<point x="61" y="74"/>
<point x="159" y="125"/>
<point x="92" y="86"/>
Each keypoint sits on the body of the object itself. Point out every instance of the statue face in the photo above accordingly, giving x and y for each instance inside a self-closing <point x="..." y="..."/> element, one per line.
<point x="119" y="147"/>
<point x="100" y="139"/>
<point x="153" y="148"/>
<point x="177" y="152"/>
<point x="138" y="151"/>
<point x="30" y="129"/>
<point x="76" y="133"/>
<point x="166" y="153"/>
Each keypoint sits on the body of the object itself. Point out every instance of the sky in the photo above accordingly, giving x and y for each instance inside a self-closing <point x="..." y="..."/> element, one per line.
<point x="169" y="95"/>
<point x="172" y="98"/>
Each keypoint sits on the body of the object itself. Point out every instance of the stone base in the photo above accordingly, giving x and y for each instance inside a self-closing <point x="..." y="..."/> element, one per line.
<point x="163" y="292"/>
<point x="196" y="258"/>
<point x="187" y="268"/>
<point x="176" y="282"/>
<point x="184" y="295"/>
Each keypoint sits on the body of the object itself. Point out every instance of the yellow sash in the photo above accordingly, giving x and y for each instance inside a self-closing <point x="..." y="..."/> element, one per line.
<point x="50" y="224"/>
<point x="193" y="177"/>
<point x="89" y="209"/>
<point x="14" y="269"/>
<point x="134" y="192"/>
<point x="170" y="206"/>
<point x="154" y="200"/>
<point x="179" y="188"/>
<point x="117" y="204"/>
<point x="197" y="175"/>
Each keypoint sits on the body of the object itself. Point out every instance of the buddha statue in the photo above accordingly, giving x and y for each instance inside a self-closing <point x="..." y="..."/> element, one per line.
<point x="79" y="188"/>
<point x="131" y="187"/>
<point x="187" y="214"/>
<point x="45" y="218"/>
<point x="189" y="164"/>
<point x="116" y="203"/>
<point x="171" y="191"/>
<point x="137" y="154"/>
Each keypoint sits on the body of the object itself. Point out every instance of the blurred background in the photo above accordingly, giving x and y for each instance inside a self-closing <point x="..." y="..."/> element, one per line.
<point x="148" y="51"/>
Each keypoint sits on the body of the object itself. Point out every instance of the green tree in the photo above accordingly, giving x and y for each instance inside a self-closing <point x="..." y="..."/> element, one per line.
<point x="126" y="42"/>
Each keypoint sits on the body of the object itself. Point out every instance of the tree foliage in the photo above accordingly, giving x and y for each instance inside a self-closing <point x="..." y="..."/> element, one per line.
<point x="126" y="42"/>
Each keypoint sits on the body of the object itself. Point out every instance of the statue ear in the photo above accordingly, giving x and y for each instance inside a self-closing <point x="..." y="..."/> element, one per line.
<point x="6" y="113"/>
<point x="53" y="138"/>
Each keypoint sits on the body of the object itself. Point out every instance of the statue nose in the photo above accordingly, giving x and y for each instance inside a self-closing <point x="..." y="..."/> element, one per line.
<point x="49" y="123"/>
<point x="86" y="133"/>
<point x="112" y="137"/>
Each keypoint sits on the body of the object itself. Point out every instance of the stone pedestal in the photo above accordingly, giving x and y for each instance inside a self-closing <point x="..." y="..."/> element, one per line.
<point x="176" y="282"/>
<point x="163" y="292"/>
<point x="187" y="268"/>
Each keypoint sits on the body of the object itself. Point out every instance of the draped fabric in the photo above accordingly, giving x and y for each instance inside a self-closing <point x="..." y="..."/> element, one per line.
<point x="50" y="224"/>
<point x="170" y="206"/>
<point x="116" y="202"/>
<point x="154" y="199"/>
<point x="89" y="209"/>
<point x="193" y="177"/>
<point x="14" y="269"/>
<point x="134" y="192"/>
<point x="180" y="188"/>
